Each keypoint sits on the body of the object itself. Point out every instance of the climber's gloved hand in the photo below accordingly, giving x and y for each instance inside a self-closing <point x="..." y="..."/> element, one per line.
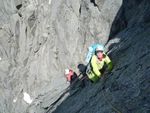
<point x="110" y="67"/>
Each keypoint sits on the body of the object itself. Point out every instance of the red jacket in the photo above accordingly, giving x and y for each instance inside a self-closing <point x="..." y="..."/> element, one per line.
<point x="69" y="76"/>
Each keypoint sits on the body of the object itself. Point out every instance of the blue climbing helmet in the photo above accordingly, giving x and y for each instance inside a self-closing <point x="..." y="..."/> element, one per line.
<point x="91" y="51"/>
<point x="99" y="47"/>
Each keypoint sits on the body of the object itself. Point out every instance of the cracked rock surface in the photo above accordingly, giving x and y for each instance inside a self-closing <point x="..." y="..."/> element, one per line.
<point x="40" y="38"/>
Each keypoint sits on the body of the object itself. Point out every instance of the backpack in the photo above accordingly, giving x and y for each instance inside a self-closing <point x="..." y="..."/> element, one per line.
<point x="89" y="68"/>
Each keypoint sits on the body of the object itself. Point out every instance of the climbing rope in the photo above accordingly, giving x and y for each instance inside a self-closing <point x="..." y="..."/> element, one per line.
<point x="110" y="104"/>
<point x="64" y="92"/>
<point x="105" y="98"/>
<point x="68" y="88"/>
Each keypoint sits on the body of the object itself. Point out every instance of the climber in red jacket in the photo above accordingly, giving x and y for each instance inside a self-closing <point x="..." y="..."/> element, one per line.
<point x="70" y="75"/>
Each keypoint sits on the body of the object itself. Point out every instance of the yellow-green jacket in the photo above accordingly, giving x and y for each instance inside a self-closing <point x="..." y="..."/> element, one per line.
<point x="97" y="65"/>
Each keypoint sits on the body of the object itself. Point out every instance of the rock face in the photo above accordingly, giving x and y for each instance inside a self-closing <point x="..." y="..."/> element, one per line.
<point x="39" y="39"/>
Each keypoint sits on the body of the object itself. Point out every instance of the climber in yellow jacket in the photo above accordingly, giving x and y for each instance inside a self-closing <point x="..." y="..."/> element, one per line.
<point x="97" y="62"/>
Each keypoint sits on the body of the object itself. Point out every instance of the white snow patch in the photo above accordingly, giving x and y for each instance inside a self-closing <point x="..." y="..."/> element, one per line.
<point x="49" y="1"/>
<point x="15" y="100"/>
<point x="27" y="98"/>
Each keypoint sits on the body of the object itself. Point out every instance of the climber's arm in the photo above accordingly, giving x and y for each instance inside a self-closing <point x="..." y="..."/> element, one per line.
<point x="109" y="63"/>
<point x="94" y="66"/>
